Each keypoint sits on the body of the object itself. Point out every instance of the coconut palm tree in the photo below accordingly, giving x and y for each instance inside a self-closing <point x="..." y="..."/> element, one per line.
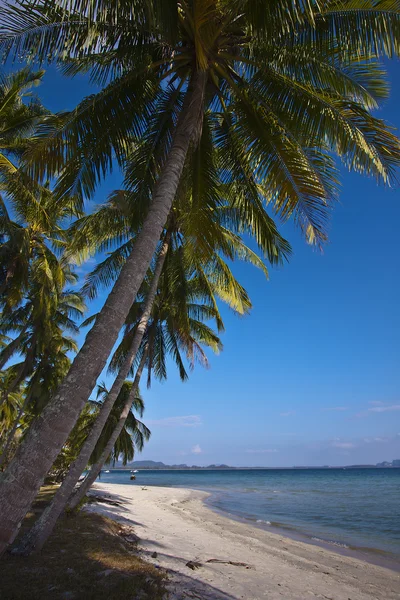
<point x="133" y="434"/>
<point x="33" y="395"/>
<point x="43" y="341"/>
<point x="188" y="335"/>
<point x="9" y="409"/>
<point x="288" y="83"/>
<point x="36" y="304"/>
<point x="214" y="279"/>
<point x="45" y="362"/>
<point x="43" y="528"/>
<point x="169" y="332"/>
<point x="186" y="297"/>
<point x="32" y="239"/>
<point x="103" y="456"/>
<point x="113" y="224"/>
<point x="37" y="309"/>
<point x="175" y="328"/>
<point x="20" y="114"/>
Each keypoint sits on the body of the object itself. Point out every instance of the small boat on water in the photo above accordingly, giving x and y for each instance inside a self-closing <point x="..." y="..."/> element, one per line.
<point x="135" y="471"/>
<point x="106" y="471"/>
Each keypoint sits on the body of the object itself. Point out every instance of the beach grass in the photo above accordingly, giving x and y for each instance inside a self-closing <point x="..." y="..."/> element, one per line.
<point x="84" y="558"/>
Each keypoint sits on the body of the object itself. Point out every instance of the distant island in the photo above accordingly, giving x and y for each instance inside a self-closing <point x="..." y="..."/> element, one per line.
<point x="151" y="464"/>
<point x="154" y="465"/>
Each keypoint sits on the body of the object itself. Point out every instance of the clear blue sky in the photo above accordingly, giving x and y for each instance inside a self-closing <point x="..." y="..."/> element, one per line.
<point x="312" y="376"/>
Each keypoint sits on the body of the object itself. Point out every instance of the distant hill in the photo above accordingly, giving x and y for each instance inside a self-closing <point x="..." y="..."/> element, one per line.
<point x="151" y="464"/>
<point x="147" y="464"/>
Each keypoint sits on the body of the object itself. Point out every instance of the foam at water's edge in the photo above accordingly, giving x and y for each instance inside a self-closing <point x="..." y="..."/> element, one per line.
<point x="264" y="522"/>
<point x="330" y="542"/>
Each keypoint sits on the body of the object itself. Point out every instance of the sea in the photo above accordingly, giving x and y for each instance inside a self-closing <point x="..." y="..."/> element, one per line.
<point x="353" y="511"/>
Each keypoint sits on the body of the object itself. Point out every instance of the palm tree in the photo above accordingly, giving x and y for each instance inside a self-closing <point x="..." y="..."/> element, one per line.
<point x="9" y="409"/>
<point x="123" y="433"/>
<point x="44" y="526"/>
<point x="175" y="297"/>
<point x="20" y="115"/>
<point x="31" y="244"/>
<point x="287" y="83"/>
<point x="102" y="457"/>
<point x="218" y="280"/>
<point x="36" y="306"/>
<point x="215" y="278"/>
<point x="37" y="309"/>
<point x="42" y="342"/>
<point x="186" y="297"/>
<point x="175" y="326"/>
<point x="44" y="351"/>
<point x="133" y="434"/>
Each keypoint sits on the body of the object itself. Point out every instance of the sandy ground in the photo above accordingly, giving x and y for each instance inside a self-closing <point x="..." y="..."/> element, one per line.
<point x="177" y="525"/>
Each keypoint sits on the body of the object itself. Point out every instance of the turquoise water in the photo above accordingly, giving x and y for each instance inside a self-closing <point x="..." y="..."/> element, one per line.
<point x="352" y="508"/>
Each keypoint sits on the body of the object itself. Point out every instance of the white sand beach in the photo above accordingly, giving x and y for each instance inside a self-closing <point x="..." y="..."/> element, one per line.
<point x="236" y="560"/>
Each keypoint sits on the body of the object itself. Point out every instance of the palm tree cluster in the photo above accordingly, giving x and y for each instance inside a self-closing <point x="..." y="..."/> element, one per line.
<point x="39" y="306"/>
<point x="223" y="116"/>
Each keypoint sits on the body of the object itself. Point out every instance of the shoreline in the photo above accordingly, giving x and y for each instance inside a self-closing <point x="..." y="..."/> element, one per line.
<point x="234" y="560"/>
<point x="373" y="556"/>
<point x="368" y="553"/>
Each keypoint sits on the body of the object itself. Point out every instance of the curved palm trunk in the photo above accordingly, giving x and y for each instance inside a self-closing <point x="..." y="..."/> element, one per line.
<point x="95" y="469"/>
<point x="12" y="347"/>
<point x="37" y="536"/>
<point x="22" y="373"/>
<point x="6" y="355"/>
<point x="25" y="369"/>
<point x="26" y="472"/>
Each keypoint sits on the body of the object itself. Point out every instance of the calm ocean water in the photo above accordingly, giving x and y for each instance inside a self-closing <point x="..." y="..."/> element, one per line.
<point x="351" y="508"/>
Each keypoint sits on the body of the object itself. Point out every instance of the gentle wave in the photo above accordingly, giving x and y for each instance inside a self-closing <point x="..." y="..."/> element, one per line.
<point x="330" y="542"/>
<point x="263" y="522"/>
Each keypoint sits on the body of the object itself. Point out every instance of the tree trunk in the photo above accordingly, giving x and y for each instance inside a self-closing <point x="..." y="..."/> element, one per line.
<point x="95" y="469"/>
<point x="12" y="347"/>
<point x="25" y="369"/>
<point x="34" y="540"/>
<point x="22" y="373"/>
<point x="26" y="472"/>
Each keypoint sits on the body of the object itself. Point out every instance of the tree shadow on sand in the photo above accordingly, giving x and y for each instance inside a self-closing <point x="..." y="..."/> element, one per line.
<point x="113" y="512"/>
<point x="91" y="557"/>
<point x="184" y="587"/>
<point x="184" y="584"/>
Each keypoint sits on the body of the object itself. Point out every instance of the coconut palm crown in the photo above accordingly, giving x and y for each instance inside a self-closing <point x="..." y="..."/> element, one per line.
<point x="134" y="434"/>
<point x="288" y="83"/>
